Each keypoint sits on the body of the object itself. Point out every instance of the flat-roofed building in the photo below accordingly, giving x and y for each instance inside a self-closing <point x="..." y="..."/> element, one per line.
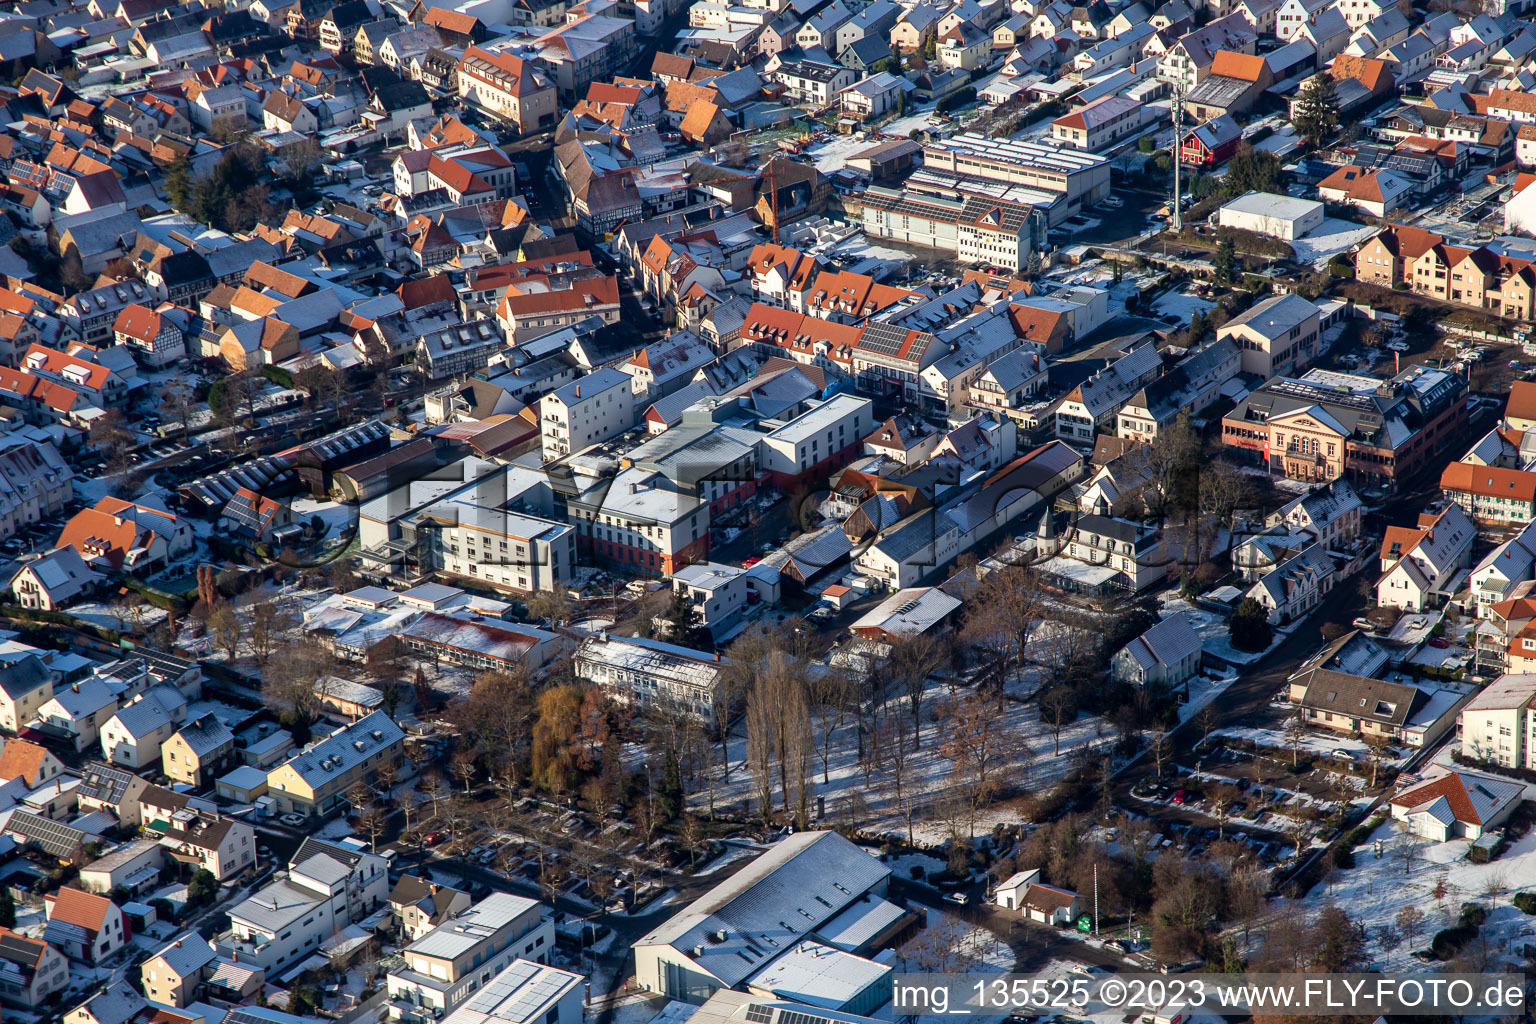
<point x="1278" y="216"/>
<point x="446" y="965"/>
<point x="748" y="921"/>
<point x="1082" y="177"/>
<point x="652" y="673"/>
<point x="525" y="993"/>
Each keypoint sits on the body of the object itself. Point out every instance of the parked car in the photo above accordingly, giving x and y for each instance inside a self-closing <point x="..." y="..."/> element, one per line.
<point x="1439" y="641"/>
<point x="960" y="899"/>
<point x="1180" y="796"/>
<point x="293" y="820"/>
<point x="435" y="838"/>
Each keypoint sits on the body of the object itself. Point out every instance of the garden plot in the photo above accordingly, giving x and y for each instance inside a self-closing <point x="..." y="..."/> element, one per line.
<point x="1183" y="304"/>
<point x="1437" y="881"/>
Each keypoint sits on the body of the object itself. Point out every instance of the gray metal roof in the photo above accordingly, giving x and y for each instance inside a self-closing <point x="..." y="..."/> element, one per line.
<point x="768" y="906"/>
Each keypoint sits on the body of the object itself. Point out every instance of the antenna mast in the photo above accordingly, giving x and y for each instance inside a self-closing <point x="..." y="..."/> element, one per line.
<point x="1178" y="154"/>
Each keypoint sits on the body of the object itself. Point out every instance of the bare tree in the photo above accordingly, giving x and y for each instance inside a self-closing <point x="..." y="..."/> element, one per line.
<point x="373" y="822"/>
<point x="227" y="628"/>
<point x="897" y="766"/>
<point x="1158" y="745"/>
<point x="975" y="738"/>
<point x="1410" y="921"/>
<point x="433" y="787"/>
<point x="1207" y="721"/>
<point x="760" y="749"/>
<point x="1378" y="752"/>
<point x="1058" y="706"/>
<point x="831" y="693"/>
<point x="914" y="657"/>
<point x="1004" y="610"/>
<point x="1406" y="849"/>
<point x="466" y="765"/>
<point x="1295" y="735"/>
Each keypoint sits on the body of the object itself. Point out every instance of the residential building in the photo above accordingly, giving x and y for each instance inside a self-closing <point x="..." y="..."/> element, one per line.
<point x="132" y="737"/>
<point x="508" y="88"/>
<point x="526" y="992"/>
<point x="1277" y="336"/>
<point x="1455" y="805"/>
<point x="1163" y="658"/>
<point x="593" y="409"/>
<point x="1101" y="124"/>
<point x="1422" y="567"/>
<point x="1490" y="277"/>
<point x="31" y="971"/>
<point x="87" y="928"/>
<point x="420" y="905"/>
<point x="198" y="751"/>
<point x="25" y="686"/>
<point x="315" y="781"/>
<point x="328" y="888"/>
<point x="450" y="963"/>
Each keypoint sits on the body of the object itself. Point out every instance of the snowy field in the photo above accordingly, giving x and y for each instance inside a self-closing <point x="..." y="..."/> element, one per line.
<point x="1332" y="237"/>
<point x="929" y="772"/>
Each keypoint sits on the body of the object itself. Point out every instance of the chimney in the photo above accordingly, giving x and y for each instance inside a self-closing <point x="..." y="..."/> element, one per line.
<point x="578" y="390"/>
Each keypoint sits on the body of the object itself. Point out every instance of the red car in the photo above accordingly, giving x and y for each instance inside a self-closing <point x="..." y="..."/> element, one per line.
<point x="1439" y="641"/>
<point x="1179" y="796"/>
<point x="433" y="838"/>
<point x="750" y="562"/>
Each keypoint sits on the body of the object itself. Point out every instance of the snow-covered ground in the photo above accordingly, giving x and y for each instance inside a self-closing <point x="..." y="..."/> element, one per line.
<point x="1376" y="890"/>
<point x="1213" y="631"/>
<point x="1182" y="304"/>
<point x="340" y="520"/>
<point x="833" y="154"/>
<point x="1332" y="237"/>
<point x="929" y="772"/>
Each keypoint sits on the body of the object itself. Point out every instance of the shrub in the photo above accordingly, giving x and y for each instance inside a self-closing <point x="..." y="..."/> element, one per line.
<point x="917" y="871"/>
<point x="277" y="375"/>
<point x="955" y="100"/>
<point x="1526" y="901"/>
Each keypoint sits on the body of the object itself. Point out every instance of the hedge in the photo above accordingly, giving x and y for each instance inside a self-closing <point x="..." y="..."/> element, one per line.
<point x="1526" y="901"/>
<point x="956" y="100"/>
<point x="277" y="375"/>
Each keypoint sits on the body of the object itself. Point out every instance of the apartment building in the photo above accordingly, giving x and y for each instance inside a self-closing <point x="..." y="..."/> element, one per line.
<point x="328" y="888"/>
<point x="1102" y="123"/>
<point x="451" y="962"/>
<point x="507" y="87"/>
<point x="1499" y="724"/>
<point x="314" y="781"/>
<point x="1491" y="277"/>
<point x="816" y="443"/>
<point x="593" y="409"/>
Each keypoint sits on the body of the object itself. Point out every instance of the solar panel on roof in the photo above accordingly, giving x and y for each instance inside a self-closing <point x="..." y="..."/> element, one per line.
<point x="883" y="338"/>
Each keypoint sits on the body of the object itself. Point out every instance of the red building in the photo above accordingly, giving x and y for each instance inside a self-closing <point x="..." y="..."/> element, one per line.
<point x="1211" y="143"/>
